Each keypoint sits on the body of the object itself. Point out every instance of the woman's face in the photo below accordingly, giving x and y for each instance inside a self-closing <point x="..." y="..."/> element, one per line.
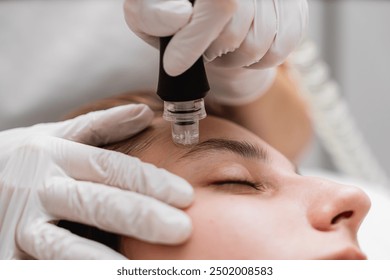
<point x="250" y="203"/>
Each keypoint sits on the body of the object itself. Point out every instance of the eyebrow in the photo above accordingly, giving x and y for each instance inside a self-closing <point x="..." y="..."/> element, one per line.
<point x="241" y="148"/>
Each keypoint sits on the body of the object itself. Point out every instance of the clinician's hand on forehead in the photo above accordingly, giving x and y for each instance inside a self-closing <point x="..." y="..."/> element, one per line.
<point x="249" y="201"/>
<point x="53" y="171"/>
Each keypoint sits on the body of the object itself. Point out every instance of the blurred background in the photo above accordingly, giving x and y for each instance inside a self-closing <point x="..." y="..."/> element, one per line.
<point x="55" y="52"/>
<point x="353" y="38"/>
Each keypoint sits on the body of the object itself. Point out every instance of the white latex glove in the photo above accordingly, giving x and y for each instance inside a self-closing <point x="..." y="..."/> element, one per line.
<point x="232" y="33"/>
<point x="235" y="34"/>
<point x="45" y="176"/>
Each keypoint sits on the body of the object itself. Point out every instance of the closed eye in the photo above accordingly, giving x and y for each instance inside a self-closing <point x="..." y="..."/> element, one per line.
<point x="237" y="185"/>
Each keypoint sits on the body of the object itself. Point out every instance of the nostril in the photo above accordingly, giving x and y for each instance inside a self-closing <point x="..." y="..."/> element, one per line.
<point x="343" y="215"/>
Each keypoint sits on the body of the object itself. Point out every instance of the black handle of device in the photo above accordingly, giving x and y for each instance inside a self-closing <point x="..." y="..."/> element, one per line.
<point x="190" y="85"/>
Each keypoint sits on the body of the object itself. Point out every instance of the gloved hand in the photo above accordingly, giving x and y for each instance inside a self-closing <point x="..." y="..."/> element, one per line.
<point x="231" y="34"/>
<point x="48" y="173"/>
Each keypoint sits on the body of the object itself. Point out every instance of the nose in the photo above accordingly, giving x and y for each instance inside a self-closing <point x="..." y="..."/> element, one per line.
<point x="333" y="206"/>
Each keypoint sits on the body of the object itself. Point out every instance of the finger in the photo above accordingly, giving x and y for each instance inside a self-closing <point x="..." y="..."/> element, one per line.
<point x="189" y="43"/>
<point x="157" y="18"/>
<point x="87" y="163"/>
<point x="117" y="211"/>
<point x="239" y="86"/>
<point x="46" y="241"/>
<point x="292" y="17"/>
<point x="106" y="126"/>
<point x="258" y="40"/>
<point x="234" y="32"/>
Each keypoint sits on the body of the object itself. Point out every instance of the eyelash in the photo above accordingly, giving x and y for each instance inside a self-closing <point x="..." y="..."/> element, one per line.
<point x="256" y="186"/>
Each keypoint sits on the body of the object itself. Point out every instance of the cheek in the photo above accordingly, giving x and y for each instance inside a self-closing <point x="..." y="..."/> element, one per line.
<point x="244" y="227"/>
<point x="225" y="227"/>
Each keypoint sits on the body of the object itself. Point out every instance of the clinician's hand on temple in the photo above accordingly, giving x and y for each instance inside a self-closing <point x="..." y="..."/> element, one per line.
<point x="234" y="36"/>
<point x="47" y="173"/>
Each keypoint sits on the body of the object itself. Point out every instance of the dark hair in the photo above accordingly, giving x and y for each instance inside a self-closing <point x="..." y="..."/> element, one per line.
<point x="109" y="239"/>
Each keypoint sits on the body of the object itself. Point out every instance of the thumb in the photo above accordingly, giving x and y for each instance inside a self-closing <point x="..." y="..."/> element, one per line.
<point x="188" y="44"/>
<point x="157" y="18"/>
<point x="106" y="126"/>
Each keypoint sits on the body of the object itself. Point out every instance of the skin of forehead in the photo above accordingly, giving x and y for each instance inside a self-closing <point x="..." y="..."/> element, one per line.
<point x="164" y="152"/>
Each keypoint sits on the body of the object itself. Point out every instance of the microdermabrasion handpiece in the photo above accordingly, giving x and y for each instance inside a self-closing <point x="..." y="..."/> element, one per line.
<point x="183" y="98"/>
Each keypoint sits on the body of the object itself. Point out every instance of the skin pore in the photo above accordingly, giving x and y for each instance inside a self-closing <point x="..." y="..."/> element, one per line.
<point x="249" y="201"/>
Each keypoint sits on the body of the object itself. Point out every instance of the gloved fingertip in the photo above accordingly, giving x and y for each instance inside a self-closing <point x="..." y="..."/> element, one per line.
<point x="178" y="12"/>
<point x="175" y="63"/>
<point x="105" y="126"/>
<point x="172" y="68"/>
<point x="168" y="187"/>
<point x="133" y="119"/>
<point x="183" y="193"/>
<point x="184" y="230"/>
<point x="180" y="229"/>
<point x="140" y="111"/>
<point x="165" y="18"/>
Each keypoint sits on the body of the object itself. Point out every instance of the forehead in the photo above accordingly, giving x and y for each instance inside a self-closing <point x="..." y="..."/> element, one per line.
<point x="163" y="152"/>
<point x="209" y="128"/>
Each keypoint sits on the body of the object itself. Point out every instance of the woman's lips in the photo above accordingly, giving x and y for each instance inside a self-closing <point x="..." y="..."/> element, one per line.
<point x="349" y="253"/>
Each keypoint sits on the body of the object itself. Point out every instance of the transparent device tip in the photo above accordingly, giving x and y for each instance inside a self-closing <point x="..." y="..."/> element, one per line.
<point x="185" y="133"/>
<point x="184" y="118"/>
